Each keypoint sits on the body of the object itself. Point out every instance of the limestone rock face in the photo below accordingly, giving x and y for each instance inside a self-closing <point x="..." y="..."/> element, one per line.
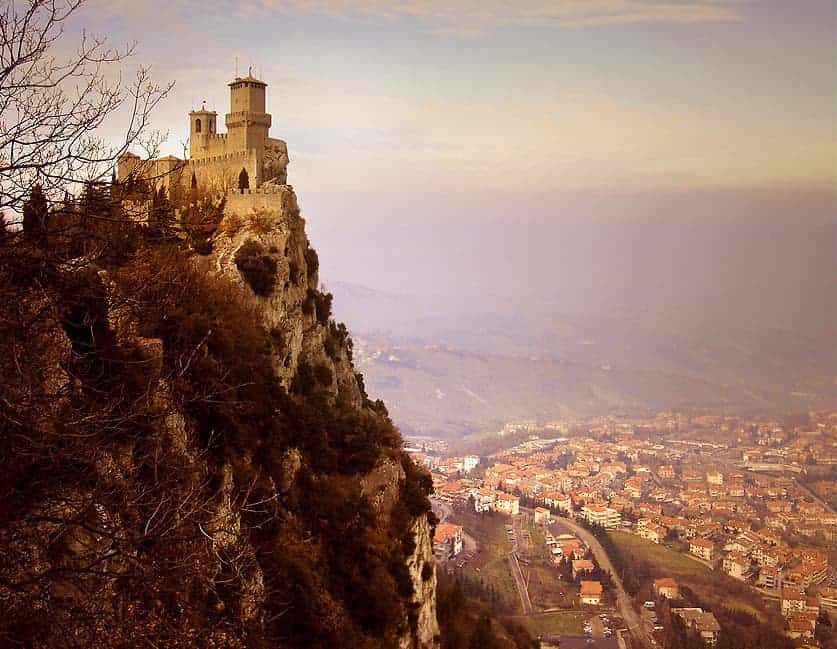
<point x="427" y="626"/>
<point x="303" y="338"/>
<point x="273" y="221"/>
<point x="381" y="485"/>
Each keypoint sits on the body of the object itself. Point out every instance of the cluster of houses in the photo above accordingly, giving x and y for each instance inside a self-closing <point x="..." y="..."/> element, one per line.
<point x="742" y="533"/>
<point x="703" y="622"/>
<point x="567" y="547"/>
<point x="445" y="465"/>
<point x="735" y="503"/>
<point x="801" y="610"/>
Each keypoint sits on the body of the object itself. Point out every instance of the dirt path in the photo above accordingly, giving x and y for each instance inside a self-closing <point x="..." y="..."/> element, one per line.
<point x="520" y="582"/>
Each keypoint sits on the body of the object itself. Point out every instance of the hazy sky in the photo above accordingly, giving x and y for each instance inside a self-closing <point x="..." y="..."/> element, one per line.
<point x="661" y="158"/>
<point x="475" y="96"/>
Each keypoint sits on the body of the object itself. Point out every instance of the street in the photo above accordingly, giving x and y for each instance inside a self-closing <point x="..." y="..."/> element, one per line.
<point x="623" y="601"/>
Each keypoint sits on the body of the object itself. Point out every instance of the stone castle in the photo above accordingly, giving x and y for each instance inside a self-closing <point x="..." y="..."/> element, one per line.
<point x="216" y="159"/>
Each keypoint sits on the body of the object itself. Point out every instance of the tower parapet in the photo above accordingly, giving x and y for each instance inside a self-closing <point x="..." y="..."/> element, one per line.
<point x="247" y="122"/>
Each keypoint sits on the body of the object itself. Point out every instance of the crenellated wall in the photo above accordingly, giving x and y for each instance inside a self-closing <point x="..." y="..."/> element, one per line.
<point x="220" y="172"/>
<point x="274" y="198"/>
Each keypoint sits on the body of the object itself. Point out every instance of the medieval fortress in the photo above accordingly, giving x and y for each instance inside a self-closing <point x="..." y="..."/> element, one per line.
<point x="217" y="159"/>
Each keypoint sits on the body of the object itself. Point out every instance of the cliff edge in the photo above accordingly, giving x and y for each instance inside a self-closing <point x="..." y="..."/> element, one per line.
<point x="188" y="457"/>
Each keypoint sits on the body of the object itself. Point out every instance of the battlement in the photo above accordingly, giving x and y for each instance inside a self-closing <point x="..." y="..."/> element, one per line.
<point x="213" y="159"/>
<point x="278" y="200"/>
<point x="270" y="189"/>
<point x="241" y="196"/>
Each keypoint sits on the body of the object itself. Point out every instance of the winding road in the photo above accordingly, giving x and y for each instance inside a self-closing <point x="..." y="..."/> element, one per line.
<point x="623" y="602"/>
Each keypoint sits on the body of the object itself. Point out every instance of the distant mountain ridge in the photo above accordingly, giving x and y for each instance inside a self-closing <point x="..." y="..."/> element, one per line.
<point x="445" y="372"/>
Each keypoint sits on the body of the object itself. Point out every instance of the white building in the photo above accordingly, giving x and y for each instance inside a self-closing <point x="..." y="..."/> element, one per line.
<point x="507" y="504"/>
<point x="483" y="500"/>
<point x="601" y="516"/>
<point x="447" y="541"/>
<point x="469" y="463"/>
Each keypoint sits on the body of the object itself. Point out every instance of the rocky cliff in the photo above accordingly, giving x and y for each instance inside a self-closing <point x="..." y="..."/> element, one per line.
<point x="188" y="457"/>
<point x="293" y="314"/>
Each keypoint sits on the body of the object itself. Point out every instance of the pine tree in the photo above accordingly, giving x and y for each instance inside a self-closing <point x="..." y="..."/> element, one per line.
<point x="162" y="215"/>
<point x="35" y="215"/>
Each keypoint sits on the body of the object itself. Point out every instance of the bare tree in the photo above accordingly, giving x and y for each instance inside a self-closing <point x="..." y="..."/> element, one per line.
<point x="50" y="108"/>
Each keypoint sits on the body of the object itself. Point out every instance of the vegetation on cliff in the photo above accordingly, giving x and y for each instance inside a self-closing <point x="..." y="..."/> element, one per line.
<point x="158" y="483"/>
<point x="187" y="457"/>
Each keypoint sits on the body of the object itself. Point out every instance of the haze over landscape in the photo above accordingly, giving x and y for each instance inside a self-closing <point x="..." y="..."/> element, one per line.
<point x="690" y="300"/>
<point x="654" y="180"/>
<point x="418" y="324"/>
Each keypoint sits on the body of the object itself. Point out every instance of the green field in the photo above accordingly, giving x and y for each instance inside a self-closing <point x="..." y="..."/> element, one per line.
<point x="545" y="589"/>
<point x="713" y="586"/>
<point x="491" y="565"/>
<point x="559" y="623"/>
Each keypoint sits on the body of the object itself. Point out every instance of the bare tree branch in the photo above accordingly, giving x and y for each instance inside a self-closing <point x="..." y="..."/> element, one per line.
<point x="50" y="109"/>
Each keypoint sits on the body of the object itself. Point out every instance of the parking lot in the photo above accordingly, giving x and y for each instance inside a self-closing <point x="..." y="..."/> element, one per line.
<point x="599" y="626"/>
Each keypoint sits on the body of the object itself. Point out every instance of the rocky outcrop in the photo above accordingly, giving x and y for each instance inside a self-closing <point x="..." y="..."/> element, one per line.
<point x="305" y="336"/>
<point x="422" y="569"/>
<point x="189" y="459"/>
<point x="298" y="322"/>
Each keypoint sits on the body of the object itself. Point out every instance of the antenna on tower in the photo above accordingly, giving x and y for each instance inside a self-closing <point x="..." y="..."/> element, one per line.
<point x="236" y="67"/>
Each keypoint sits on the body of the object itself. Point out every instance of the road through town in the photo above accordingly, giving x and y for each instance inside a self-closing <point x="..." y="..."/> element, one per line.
<point x="623" y="601"/>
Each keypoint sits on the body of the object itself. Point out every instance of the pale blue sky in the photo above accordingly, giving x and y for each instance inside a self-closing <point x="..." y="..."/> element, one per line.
<point x="544" y="96"/>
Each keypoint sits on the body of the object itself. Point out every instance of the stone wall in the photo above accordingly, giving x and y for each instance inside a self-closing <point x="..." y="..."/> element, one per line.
<point x="271" y="199"/>
<point x="213" y="144"/>
<point x="220" y="172"/>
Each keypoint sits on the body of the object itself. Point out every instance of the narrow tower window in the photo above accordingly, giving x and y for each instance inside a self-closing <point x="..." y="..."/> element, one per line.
<point x="197" y="126"/>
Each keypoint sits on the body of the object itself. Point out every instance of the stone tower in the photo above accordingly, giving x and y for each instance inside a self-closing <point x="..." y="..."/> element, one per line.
<point x="247" y="122"/>
<point x="216" y="159"/>
<point x="202" y="130"/>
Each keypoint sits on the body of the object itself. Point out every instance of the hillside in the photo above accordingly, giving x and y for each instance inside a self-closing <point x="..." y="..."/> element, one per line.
<point x="484" y="369"/>
<point x="187" y="457"/>
<point x="473" y="391"/>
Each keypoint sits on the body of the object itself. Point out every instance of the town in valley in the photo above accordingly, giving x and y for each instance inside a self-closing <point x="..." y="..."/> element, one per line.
<point x="611" y="530"/>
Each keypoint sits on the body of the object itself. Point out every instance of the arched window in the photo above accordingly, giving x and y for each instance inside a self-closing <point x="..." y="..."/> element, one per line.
<point x="197" y="126"/>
